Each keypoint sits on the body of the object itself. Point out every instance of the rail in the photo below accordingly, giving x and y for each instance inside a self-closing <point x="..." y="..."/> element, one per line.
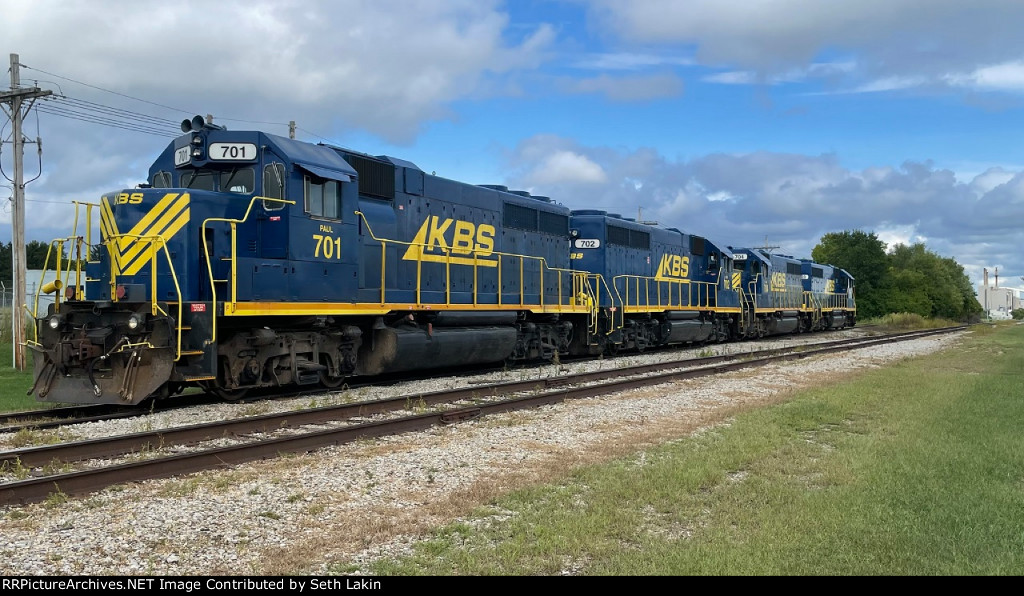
<point x="234" y="258"/>
<point x="581" y="291"/>
<point x="153" y="246"/>
<point x="698" y="294"/>
<point x="55" y="286"/>
<point x="826" y="300"/>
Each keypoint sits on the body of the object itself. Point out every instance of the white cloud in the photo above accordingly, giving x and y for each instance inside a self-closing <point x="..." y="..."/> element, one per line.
<point x="630" y="61"/>
<point x="1008" y="76"/>
<point x="383" y="66"/>
<point x="635" y="88"/>
<point x="566" y="167"/>
<point x="789" y="200"/>
<point x="895" y="43"/>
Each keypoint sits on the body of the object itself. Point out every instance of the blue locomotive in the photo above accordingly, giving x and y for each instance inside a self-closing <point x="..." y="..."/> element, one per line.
<point x="249" y="260"/>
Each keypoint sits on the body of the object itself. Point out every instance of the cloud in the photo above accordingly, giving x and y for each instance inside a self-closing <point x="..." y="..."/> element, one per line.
<point x="565" y="167"/>
<point x="623" y="89"/>
<point x="1005" y="76"/>
<point x="387" y="68"/>
<point x="630" y="61"/>
<point x="893" y="42"/>
<point x="789" y="199"/>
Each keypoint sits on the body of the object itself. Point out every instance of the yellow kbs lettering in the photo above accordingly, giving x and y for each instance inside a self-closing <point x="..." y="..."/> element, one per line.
<point x="130" y="199"/>
<point x="673" y="266"/>
<point x="778" y="281"/>
<point x="438" y="237"/>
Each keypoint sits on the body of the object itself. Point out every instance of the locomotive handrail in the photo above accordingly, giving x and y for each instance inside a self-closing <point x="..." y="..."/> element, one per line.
<point x="153" y="241"/>
<point x="543" y="265"/>
<point x="703" y="293"/>
<point x="234" y="260"/>
<point x="79" y="288"/>
<point x="79" y="291"/>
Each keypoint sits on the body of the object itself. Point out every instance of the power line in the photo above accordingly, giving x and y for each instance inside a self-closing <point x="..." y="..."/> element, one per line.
<point x="100" y="119"/>
<point x="318" y="136"/>
<point x="119" y="112"/>
<point x="109" y="91"/>
<point x="136" y="115"/>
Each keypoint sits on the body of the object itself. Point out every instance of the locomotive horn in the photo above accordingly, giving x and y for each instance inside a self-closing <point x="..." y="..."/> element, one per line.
<point x="186" y="125"/>
<point x="197" y="123"/>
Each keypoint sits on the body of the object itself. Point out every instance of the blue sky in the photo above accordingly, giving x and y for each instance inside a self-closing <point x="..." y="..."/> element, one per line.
<point x="746" y="121"/>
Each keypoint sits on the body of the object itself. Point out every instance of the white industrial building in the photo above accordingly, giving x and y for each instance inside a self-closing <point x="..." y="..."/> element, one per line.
<point x="999" y="301"/>
<point x="34" y="279"/>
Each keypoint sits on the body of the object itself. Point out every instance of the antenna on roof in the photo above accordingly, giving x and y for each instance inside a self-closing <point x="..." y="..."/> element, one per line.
<point x="640" y="218"/>
<point x="767" y="247"/>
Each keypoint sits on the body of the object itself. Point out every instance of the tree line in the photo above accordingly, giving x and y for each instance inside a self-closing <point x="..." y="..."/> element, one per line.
<point x="904" y="278"/>
<point x="35" y="258"/>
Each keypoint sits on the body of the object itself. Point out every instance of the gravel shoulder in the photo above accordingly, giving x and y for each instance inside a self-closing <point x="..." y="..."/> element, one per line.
<point x="350" y="504"/>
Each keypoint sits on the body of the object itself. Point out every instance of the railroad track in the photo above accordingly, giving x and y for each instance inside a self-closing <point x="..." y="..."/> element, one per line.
<point x="51" y="418"/>
<point x="452" y="406"/>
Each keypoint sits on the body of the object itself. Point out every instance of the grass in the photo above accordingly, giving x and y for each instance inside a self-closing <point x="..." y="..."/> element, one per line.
<point x="904" y="321"/>
<point x="14" y="383"/>
<point x="912" y="469"/>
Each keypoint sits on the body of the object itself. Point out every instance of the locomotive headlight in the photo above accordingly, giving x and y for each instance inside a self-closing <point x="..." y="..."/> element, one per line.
<point x="54" y="322"/>
<point x="197" y="140"/>
<point x="197" y="152"/>
<point x="133" y="322"/>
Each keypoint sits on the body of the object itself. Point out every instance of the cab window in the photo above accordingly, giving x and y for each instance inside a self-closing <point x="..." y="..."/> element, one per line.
<point x="161" y="180"/>
<point x="321" y="197"/>
<point x="273" y="185"/>
<point x="198" y="179"/>
<point x="241" y="180"/>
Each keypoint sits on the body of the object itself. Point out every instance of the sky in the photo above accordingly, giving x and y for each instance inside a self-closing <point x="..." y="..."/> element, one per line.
<point x="752" y="122"/>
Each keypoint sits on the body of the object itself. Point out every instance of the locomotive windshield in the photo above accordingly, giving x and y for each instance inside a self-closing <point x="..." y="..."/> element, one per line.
<point x="239" y="180"/>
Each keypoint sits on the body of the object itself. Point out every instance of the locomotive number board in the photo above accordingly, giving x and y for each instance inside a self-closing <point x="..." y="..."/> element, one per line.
<point x="233" y="151"/>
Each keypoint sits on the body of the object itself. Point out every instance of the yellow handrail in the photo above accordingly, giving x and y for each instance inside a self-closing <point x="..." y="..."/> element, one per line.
<point x="542" y="266"/>
<point x="234" y="259"/>
<point x="156" y="242"/>
<point x="698" y="293"/>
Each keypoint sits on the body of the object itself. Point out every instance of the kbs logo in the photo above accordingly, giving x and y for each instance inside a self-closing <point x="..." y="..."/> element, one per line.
<point x="437" y="239"/>
<point x="673" y="267"/>
<point x="778" y="281"/>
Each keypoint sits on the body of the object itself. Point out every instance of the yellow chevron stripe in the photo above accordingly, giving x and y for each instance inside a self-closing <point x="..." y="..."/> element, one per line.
<point x="165" y="219"/>
<point x="137" y="247"/>
<point x="127" y="243"/>
<point x="108" y="230"/>
<point x="106" y="215"/>
<point x="169" y="232"/>
<point x="154" y="213"/>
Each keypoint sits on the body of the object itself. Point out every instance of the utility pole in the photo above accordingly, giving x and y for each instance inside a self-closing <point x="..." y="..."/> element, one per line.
<point x="291" y="129"/>
<point x="20" y="101"/>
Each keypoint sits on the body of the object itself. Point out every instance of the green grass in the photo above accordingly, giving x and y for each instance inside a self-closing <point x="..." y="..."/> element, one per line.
<point x="904" y="321"/>
<point x="913" y="469"/>
<point x="14" y="383"/>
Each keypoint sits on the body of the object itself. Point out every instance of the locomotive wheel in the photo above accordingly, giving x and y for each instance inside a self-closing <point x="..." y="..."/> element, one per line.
<point x="230" y="394"/>
<point x="225" y="394"/>
<point x="331" y="382"/>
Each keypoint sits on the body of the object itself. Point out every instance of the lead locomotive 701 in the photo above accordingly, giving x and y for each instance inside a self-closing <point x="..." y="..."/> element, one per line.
<point x="250" y="260"/>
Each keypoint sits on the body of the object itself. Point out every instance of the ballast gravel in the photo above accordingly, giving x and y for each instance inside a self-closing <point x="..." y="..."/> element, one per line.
<point x="337" y="509"/>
